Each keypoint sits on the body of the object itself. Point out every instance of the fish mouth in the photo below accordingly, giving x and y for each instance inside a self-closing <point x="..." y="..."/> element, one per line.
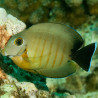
<point x="10" y="56"/>
<point x="4" y="53"/>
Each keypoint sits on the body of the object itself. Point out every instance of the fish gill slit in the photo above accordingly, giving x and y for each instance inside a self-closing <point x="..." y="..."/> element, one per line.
<point x="50" y="50"/>
<point x="62" y="56"/>
<point x="42" y="52"/>
<point x="54" y="61"/>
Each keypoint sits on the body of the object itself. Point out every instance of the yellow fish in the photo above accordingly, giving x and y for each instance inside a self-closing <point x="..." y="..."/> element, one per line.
<point x="49" y="49"/>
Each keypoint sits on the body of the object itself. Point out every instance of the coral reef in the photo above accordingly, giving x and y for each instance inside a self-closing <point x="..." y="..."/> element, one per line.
<point x="80" y="14"/>
<point x="9" y="26"/>
<point x="11" y="69"/>
<point x="88" y="30"/>
<point x="74" y="3"/>
<point x="4" y="36"/>
<point x="57" y="15"/>
<point x="38" y="16"/>
<point x="34" y="11"/>
<point x="81" y="84"/>
<point x="2" y="74"/>
<point x="13" y="89"/>
<point x="92" y="6"/>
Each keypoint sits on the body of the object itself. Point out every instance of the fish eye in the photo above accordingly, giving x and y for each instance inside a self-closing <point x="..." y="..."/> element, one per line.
<point x="18" y="41"/>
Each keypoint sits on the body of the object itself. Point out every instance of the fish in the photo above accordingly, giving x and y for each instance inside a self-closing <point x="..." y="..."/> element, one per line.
<point x="50" y="49"/>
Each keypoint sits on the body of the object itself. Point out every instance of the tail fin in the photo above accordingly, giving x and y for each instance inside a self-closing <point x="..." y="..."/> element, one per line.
<point x="84" y="56"/>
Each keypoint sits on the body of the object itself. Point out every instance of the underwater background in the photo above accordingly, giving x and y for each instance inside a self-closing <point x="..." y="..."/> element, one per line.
<point x="82" y="15"/>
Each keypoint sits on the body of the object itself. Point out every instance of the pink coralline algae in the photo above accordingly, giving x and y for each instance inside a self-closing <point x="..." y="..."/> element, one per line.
<point x="2" y="74"/>
<point x="4" y="36"/>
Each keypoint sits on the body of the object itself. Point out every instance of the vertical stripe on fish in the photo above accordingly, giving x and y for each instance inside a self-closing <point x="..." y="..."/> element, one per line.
<point x="50" y="50"/>
<point x="35" y="53"/>
<point x="42" y="51"/>
<point x="54" y="61"/>
<point x="62" y="55"/>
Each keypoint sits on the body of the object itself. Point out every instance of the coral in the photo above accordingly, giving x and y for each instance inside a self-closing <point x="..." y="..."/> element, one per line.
<point x="92" y="77"/>
<point x="80" y="14"/>
<point x="37" y="16"/>
<point x="56" y="3"/>
<point x="12" y="4"/>
<point x="11" y="88"/>
<point x="11" y="69"/>
<point x="57" y="15"/>
<point x="93" y="9"/>
<point x="91" y="2"/>
<point x="22" y="5"/>
<point x="9" y="26"/>
<point x="14" y="12"/>
<point x="62" y="11"/>
<point x="3" y="16"/>
<point x="2" y="74"/>
<point x="80" y="82"/>
<point x="88" y="30"/>
<point x="88" y="95"/>
<point x="14" y="25"/>
<point x="46" y="2"/>
<point x="72" y="3"/>
<point x="4" y="36"/>
<point x="77" y="16"/>
<point x="77" y="83"/>
<point x="54" y="84"/>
